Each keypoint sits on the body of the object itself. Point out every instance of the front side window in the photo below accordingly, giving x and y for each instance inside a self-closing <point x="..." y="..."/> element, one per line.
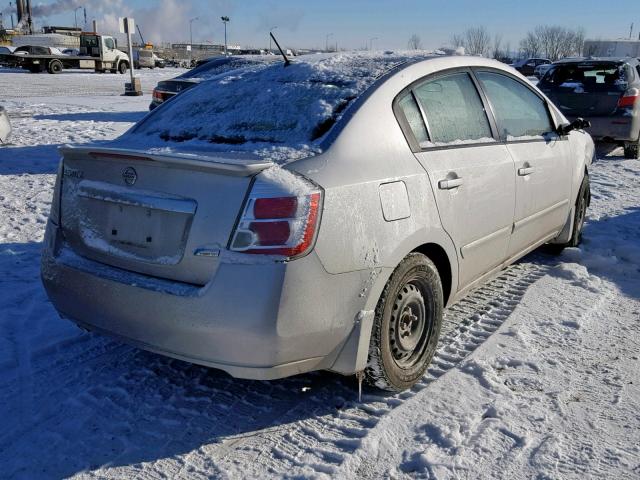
<point x="519" y="112"/>
<point x="108" y="42"/>
<point x="454" y="110"/>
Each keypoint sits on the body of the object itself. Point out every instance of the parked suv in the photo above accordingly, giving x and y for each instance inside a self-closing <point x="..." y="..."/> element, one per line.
<point x="318" y="216"/>
<point x="604" y="91"/>
<point x="527" y="66"/>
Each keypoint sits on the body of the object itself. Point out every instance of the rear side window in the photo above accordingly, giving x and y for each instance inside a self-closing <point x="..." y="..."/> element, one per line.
<point x="412" y="113"/>
<point x="519" y="112"/>
<point x="453" y="109"/>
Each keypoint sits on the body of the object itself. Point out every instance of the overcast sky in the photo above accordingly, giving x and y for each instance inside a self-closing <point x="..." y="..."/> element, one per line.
<point x="350" y="23"/>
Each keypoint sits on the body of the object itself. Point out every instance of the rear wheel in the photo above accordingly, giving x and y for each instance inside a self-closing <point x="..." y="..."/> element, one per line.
<point x="406" y="326"/>
<point x="123" y="67"/>
<point x="55" y="66"/>
<point x="631" y="150"/>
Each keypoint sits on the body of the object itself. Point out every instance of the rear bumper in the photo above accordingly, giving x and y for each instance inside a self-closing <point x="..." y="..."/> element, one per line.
<point x="616" y="128"/>
<point x="258" y="321"/>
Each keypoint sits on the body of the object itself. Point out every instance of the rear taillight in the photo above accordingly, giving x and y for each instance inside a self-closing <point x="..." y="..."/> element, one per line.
<point x="278" y="222"/>
<point x="158" y="96"/>
<point x="628" y="100"/>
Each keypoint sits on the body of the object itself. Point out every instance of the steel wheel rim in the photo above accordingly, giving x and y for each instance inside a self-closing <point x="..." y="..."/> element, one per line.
<point x="410" y="326"/>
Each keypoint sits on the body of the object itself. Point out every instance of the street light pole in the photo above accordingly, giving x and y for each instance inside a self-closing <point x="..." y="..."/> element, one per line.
<point x="270" y="31"/>
<point x="75" y="15"/>
<point x="191" y="39"/>
<point x="326" y="41"/>
<point x="225" y="20"/>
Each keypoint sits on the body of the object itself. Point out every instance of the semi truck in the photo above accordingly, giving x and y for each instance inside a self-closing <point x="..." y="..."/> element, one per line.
<point x="97" y="52"/>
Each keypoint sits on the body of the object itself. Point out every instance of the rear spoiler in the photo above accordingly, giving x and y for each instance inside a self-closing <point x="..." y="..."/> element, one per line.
<point x="229" y="164"/>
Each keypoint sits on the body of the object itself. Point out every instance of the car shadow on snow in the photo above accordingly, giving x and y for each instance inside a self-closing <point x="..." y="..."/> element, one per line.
<point x="611" y="250"/>
<point x="124" y="117"/>
<point x="89" y="401"/>
<point x="17" y="160"/>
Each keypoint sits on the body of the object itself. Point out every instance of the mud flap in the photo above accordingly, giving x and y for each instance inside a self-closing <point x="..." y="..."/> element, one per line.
<point x="567" y="230"/>
<point x="355" y="351"/>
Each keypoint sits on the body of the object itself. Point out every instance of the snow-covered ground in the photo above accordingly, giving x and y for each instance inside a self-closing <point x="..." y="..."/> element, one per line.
<point x="537" y="374"/>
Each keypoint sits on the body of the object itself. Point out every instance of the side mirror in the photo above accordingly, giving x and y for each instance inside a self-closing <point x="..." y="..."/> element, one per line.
<point x="577" y="124"/>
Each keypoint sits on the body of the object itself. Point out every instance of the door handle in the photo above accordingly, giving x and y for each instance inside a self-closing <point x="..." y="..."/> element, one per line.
<point x="449" y="184"/>
<point x="523" y="172"/>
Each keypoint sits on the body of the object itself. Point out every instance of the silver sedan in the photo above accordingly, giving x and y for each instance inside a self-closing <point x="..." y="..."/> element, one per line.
<point x="281" y="219"/>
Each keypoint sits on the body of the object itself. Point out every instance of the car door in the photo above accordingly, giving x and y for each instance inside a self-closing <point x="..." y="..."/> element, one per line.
<point x="542" y="159"/>
<point x="471" y="174"/>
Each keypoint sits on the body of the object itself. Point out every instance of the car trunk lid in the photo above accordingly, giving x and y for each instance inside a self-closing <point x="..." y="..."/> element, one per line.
<point x="161" y="215"/>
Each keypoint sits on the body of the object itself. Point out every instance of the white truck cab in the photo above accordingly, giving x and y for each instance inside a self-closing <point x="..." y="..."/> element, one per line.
<point x="104" y="52"/>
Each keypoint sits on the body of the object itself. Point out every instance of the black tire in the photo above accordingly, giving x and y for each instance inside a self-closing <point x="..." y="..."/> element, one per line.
<point x="123" y="67"/>
<point x="55" y="67"/>
<point x="406" y="326"/>
<point x="582" y="202"/>
<point x="631" y="150"/>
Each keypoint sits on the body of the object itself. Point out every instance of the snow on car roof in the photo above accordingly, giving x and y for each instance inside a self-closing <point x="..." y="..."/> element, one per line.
<point x="268" y="109"/>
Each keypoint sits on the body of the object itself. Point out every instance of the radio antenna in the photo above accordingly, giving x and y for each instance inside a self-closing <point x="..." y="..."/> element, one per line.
<point x="286" y="60"/>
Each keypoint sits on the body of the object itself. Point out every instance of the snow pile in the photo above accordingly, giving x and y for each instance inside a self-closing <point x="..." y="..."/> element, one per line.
<point x="265" y="106"/>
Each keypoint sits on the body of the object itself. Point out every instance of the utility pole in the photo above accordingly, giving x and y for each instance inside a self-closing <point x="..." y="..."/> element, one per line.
<point x="225" y="20"/>
<point x="326" y="41"/>
<point x="270" y="33"/>
<point x="191" y="40"/>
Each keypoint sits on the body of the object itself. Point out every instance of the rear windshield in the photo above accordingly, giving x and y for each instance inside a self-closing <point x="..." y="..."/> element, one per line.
<point x="605" y="76"/>
<point x="264" y="106"/>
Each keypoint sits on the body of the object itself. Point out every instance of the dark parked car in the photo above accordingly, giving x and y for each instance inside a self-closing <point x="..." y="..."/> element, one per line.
<point x="527" y="66"/>
<point x="169" y="88"/>
<point x="604" y="91"/>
